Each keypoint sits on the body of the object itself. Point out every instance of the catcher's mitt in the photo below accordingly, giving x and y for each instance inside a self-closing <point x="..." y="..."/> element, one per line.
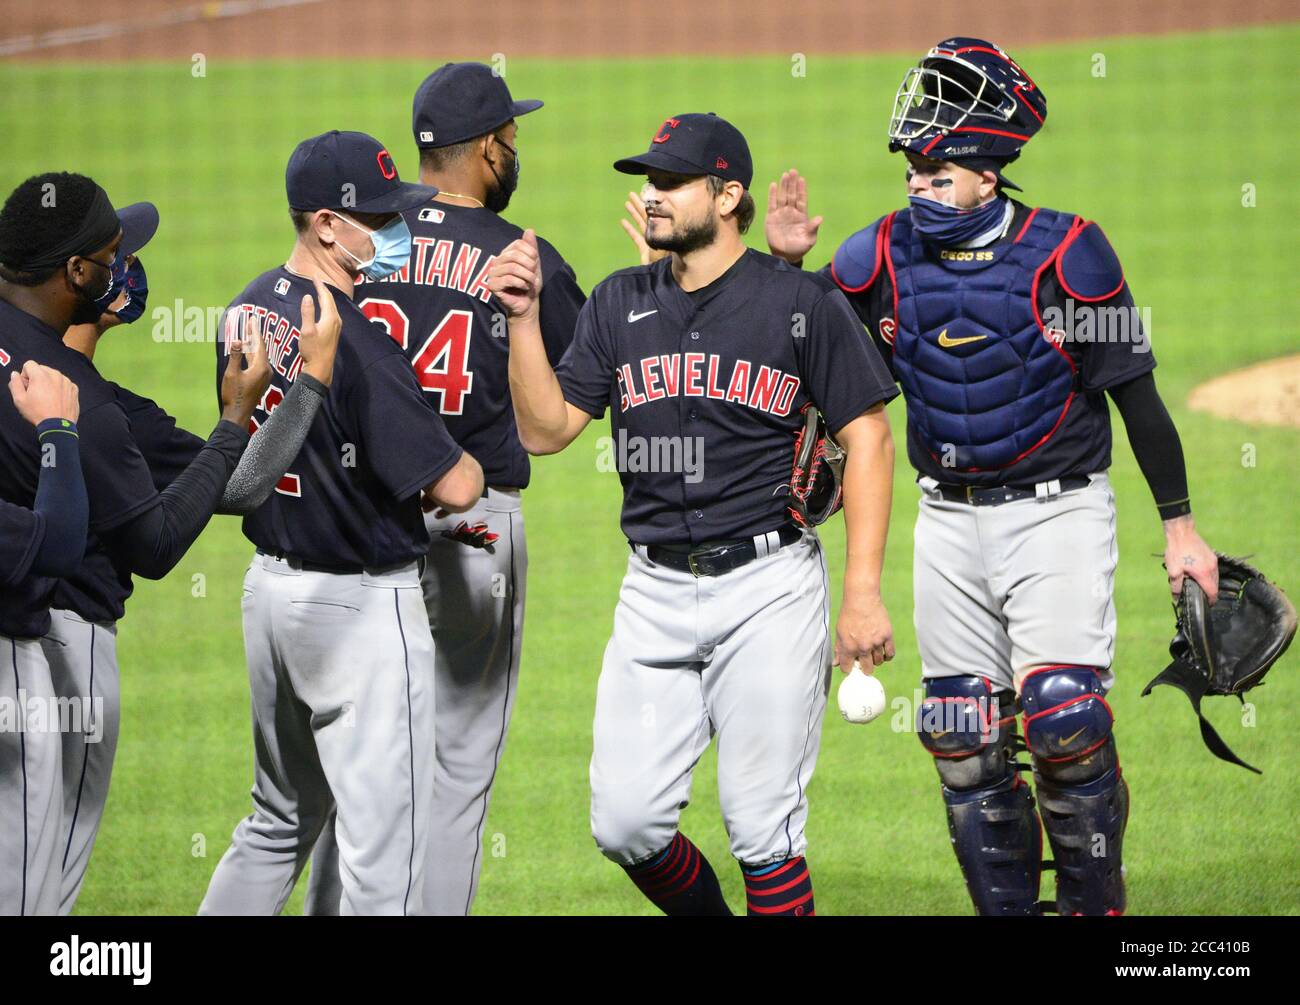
<point x="815" y="492"/>
<point x="1227" y="648"/>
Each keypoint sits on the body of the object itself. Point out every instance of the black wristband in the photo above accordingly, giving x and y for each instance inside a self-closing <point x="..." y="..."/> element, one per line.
<point x="1173" y="510"/>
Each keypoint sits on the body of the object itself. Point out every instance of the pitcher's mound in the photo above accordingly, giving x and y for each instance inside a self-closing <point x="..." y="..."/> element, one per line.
<point x="1267" y="394"/>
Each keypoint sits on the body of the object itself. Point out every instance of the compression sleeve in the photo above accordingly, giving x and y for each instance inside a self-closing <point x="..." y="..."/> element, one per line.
<point x="60" y="500"/>
<point x="1155" y="443"/>
<point x="273" y="447"/>
<point x="151" y="543"/>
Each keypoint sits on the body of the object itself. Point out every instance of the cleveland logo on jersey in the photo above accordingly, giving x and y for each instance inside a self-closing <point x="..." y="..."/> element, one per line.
<point x="699" y="375"/>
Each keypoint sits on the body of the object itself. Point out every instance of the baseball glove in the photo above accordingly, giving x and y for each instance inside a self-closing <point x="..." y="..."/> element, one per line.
<point x="1227" y="648"/>
<point x="475" y="535"/>
<point x="815" y="490"/>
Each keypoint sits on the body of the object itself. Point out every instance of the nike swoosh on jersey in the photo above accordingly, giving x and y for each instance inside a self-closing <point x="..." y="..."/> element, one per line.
<point x="633" y="316"/>
<point x="948" y="343"/>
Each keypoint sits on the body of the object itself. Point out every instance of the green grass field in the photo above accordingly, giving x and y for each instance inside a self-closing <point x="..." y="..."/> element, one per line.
<point x="1158" y="150"/>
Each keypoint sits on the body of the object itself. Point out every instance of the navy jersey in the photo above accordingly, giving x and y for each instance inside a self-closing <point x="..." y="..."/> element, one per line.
<point x="98" y="591"/>
<point x="438" y="309"/>
<point x="1081" y="442"/>
<point x="118" y="482"/>
<point x="351" y="497"/>
<point x="706" y="390"/>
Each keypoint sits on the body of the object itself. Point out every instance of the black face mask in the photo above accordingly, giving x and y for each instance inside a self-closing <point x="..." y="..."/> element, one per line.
<point x="88" y="309"/>
<point x="499" y="198"/>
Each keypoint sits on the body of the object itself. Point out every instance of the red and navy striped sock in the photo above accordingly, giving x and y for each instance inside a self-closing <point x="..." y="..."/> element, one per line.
<point x="781" y="888"/>
<point x="680" y="882"/>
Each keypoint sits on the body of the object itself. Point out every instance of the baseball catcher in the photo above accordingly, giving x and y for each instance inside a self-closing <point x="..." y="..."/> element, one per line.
<point x="989" y="313"/>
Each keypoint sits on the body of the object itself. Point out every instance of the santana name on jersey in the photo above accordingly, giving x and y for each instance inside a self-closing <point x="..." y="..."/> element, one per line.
<point x="432" y="264"/>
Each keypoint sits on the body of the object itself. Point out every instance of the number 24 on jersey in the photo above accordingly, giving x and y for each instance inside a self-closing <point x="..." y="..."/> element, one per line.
<point x="442" y="363"/>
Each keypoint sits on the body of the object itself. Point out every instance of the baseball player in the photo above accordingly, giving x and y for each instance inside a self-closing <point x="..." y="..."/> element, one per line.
<point x="968" y="293"/>
<point x="81" y="645"/>
<point x="438" y="309"/>
<point x="340" y="657"/>
<point x="59" y="238"/>
<point x="46" y="540"/>
<point x="708" y="358"/>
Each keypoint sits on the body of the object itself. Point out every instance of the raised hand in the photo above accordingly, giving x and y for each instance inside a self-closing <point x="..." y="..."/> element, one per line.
<point x="247" y="374"/>
<point x="318" y="338"/>
<point x="41" y="393"/>
<point x="789" y="231"/>
<point x="515" y="278"/>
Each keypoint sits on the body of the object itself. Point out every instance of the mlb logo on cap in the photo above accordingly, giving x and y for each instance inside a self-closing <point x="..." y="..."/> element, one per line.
<point x="459" y="101"/>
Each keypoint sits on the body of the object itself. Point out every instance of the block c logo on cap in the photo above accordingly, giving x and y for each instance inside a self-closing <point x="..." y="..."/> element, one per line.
<point x="663" y="135"/>
<point x="386" y="166"/>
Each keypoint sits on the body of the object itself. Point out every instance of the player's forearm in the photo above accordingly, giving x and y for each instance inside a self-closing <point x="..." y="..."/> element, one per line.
<point x="460" y="488"/>
<point x="273" y="447"/>
<point x="152" y="543"/>
<point x="61" y="501"/>
<point x="83" y="338"/>
<point x="1156" y="445"/>
<point x="868" y="496"/>
<point x="540" y="411"/>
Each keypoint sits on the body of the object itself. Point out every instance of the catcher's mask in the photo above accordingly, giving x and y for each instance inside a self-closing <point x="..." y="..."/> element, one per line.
<point x="966" y="98"/>
<point x="1226" y="649"/>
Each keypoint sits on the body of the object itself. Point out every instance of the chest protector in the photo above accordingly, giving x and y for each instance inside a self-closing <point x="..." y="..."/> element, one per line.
<point x="986" y="382"/>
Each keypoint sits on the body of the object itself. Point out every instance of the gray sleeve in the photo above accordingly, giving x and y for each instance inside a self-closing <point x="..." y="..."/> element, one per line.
<point x="273" y="447"/>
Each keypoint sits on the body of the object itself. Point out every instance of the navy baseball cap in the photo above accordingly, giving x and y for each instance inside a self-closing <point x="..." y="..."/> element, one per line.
<point x="353" y="171"/>
<point x="460" y="101"/>
<point x="695" y="143"/>
<point x="139" y="223"/>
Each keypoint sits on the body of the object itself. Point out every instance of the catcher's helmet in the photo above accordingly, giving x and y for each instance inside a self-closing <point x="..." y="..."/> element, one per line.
<point x="966" y="99"/>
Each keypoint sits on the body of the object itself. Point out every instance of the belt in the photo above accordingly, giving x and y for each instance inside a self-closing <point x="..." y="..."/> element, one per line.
<point x="999" y="494"/>
<point x="336" y="570"/>
<point x="720" y="557"/>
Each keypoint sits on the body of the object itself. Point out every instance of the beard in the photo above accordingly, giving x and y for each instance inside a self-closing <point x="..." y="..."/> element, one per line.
<point x="689" y="237"/>
<point x="498" y="197"/>
<point x="87" y="311"/>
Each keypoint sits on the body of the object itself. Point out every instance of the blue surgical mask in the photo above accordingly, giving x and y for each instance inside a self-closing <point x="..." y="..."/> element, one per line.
<point x="392" y="244"/>
<point x="947" y="225"/>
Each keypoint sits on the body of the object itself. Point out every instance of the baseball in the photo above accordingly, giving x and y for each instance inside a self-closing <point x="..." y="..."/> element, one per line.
<point x="862" y="696"/>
